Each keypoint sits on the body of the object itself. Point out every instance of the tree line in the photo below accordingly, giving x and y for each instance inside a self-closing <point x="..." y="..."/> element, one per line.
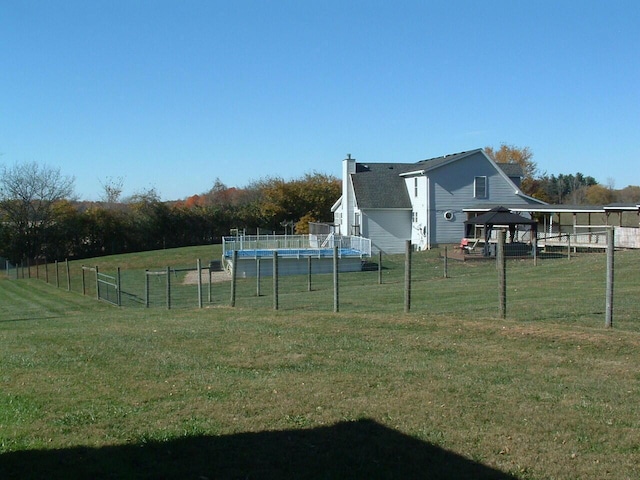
<point x="39" y="217"/>
<point x="567" y="189"/>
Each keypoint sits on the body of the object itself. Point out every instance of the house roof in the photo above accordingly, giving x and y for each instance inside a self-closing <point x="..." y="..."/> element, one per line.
<point x="379" y="185"/>
<point x="511" y="169"/>
<point x="436" y="162"/>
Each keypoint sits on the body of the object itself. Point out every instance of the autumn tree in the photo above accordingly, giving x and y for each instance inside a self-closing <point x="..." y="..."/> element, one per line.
<point x="522" y="156"/>
<point x="309" y="198"/>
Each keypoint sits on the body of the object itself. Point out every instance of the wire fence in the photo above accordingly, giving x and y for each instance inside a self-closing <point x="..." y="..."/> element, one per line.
<point x="560" y="283"/>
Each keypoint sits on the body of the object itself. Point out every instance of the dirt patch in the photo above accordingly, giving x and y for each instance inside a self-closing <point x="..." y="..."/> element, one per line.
<point x="191" y="278"/>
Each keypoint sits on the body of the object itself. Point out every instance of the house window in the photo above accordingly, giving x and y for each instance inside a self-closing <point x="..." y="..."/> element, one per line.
<point x="415" y="187"/>
<point x="480" y="187"/>
<point x="415" y="217"/>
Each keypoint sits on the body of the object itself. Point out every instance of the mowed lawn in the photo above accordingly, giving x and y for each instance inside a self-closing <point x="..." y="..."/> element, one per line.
<point x="88" y="390"/>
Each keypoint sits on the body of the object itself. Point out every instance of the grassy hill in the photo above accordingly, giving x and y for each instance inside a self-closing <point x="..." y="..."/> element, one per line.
<point x="447" y="391"/>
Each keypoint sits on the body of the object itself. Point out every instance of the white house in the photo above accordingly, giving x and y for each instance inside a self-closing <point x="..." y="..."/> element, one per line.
<point x="391" y="203"/>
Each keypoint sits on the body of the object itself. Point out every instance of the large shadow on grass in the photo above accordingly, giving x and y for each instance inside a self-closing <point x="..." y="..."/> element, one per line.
<point x="352" y="450"/>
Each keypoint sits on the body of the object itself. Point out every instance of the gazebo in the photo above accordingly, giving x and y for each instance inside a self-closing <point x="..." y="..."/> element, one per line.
<point x="499" y="216"/>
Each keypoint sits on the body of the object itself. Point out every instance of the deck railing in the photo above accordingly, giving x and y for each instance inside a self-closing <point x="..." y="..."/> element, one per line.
<point x="296" y="242"/>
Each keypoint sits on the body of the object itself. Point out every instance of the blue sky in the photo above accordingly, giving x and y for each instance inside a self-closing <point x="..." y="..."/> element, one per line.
<point x="174" y="94"/>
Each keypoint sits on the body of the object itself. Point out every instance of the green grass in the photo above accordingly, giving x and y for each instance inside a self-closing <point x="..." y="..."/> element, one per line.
<point x="446" y="391"/>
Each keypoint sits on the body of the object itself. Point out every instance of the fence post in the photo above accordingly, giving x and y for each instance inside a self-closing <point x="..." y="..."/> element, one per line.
<point x="66" y="262"/>
<point x="97" y="284"/>
<point x="336" y="285"/>
<point x="168" y="288"/>
<point x="46" y="270"/>
<point x="534" y="242"/>
<point x="84" y="287"/>
<point x="118" y="285"/>
<point x="57" y="275"/>
<point x="258" y="292"/>
<point x="199" y="268"/>
<point x="275" y="280"/>
<point x="308" y="273"/>
<point x="446" y="263"/>
<point x="380" y="267"/>
<point x="209" y="298"/>
<point x="568" y="246"/>
<point x="234" y="271"/>
<point x="502" y="276"/>
<point x="146" y="288"/>
<point x="407" y="277"/>
<point x="610" y="270"/>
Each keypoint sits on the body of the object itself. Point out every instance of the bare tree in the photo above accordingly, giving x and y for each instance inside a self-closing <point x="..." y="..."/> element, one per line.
<point x="28" y="194"/>
<point x="112" y="190"/>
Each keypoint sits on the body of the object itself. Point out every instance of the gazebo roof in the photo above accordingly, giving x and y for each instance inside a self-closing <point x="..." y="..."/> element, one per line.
<point x="500" y="216"/>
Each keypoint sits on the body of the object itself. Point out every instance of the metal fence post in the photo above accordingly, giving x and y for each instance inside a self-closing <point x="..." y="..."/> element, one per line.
<point x="66" y="262"/>
<point x="308" y="273"/>
<point x="380" y="267"/>
<point x="84" y="287"/>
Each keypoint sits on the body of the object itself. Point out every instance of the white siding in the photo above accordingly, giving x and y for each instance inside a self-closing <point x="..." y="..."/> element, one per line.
<point x="388" y="229"/>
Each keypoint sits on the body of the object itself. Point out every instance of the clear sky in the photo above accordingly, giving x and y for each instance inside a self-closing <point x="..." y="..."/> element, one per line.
<point x="174" y="94"/>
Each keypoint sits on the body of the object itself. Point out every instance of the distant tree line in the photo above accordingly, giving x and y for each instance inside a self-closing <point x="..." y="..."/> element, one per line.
<point x="574" y="189"/>
<point x="40" y="218"/>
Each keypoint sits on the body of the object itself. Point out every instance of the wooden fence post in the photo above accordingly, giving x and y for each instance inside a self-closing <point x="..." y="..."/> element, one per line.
<point x="199" y="268"/>
<point x="502" y="275"/>
<point x="66" y="261"/>
<point x="57" y="275"/>
<point x="258" y="292"/>
<point x="97" y="284"/>
<point x="446" y="263"/>
<point x="407" y="277"/>
<point x="610" y="270"/>
<point x="275" y="280"/>
<point x="336" y="286"/>
<point x="234" y="273"/>
<point x="118" y="287"/>
<point x="146" y="288"/>
<point x="168" y="288"/>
